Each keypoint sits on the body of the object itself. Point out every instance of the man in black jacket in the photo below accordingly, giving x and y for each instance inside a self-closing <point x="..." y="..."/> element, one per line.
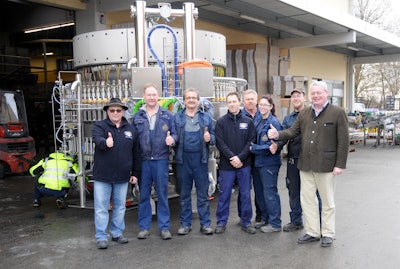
<point x="234" y="135"/>
<point x="115" y="140"/>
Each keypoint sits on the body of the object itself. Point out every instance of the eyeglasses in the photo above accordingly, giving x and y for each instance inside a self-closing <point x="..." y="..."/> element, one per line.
<point x="264" y="105"/>
<point x="115" y="110"/>
<point x="191" y="98"/>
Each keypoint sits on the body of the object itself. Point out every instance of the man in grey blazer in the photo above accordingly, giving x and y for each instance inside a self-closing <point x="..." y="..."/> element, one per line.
<point x="323" y="156"/>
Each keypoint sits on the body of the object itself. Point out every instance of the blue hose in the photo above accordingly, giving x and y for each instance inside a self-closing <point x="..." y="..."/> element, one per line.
<point x="164" y="78"/>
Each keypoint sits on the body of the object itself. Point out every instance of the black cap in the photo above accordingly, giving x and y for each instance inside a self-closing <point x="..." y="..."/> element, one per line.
<point x="297" y="90"/>
<point x="115" y="102"/>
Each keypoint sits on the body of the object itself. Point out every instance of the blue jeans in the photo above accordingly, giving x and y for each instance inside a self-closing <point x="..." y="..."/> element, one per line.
<point x="193" y="170"/>
<point x="102" y="193"/>
<point x="154" y="171"/>
<point x="225" y="182"/>
<point x="271" y="207"/>
<point x="41" y="191"/>
<point x="293" y="185"/>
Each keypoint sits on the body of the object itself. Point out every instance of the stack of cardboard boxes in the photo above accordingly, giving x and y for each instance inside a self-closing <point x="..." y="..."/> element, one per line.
<point x="283" y="86"/>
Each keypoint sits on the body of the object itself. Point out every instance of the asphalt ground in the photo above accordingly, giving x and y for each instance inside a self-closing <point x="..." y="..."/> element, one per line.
<point x="367" y="228"/>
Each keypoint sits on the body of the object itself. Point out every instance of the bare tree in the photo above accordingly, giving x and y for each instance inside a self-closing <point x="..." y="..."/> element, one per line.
<point x="373" y="81"/>
<point x="372" y="11"/>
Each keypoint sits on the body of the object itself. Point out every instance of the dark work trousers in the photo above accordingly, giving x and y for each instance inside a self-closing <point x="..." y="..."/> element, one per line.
<point x="293" y="185"/>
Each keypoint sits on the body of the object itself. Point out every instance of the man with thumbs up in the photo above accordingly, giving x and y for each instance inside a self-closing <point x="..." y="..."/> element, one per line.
<point x="196" y="133"/>
<point x="156" y="130"/>
<point x="116" y="163"/>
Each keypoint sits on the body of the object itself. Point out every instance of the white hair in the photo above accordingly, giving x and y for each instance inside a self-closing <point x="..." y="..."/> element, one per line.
<point x="319" y="83"/>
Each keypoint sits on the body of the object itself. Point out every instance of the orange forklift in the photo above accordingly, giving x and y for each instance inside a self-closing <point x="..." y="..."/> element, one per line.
<point x="17" y="148"/>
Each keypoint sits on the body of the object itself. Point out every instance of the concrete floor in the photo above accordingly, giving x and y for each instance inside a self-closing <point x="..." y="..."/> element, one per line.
<point x="367" y="226"/>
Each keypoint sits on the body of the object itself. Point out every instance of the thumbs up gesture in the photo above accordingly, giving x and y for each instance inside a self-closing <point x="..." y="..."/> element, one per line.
<point x="272" y="132"/>
<point x="109" y="140"/>
<point x="273" y="148"/>
<point x="169" y="140"/>
<point x="206" y="135"/>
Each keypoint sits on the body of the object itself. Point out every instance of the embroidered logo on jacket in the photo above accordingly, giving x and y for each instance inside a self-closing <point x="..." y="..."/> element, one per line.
<point x="243" y="126"/>
<point x="128" y="134"/>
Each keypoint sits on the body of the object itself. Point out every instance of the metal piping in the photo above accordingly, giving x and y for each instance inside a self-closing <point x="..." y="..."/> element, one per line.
<point x="140" y="32"/>
<point x="76" y="85"/>
<point x="188" y="29"/>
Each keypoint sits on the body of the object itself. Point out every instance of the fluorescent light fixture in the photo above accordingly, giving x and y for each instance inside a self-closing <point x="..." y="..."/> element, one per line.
<point x="251" y="19"/>
<point x="48" y="27"/>
<point x="48" y="53"/>
<point x="353" y="48"/>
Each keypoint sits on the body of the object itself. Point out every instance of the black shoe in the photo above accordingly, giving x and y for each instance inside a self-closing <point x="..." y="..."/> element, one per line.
<point x="249" y="229"/>
<point x="61" y="204"/>
<point x="102" y="244"/>
<point x="305" y="239"/>
<point x="258" y="219"/>
<point x="220" y="229"/>
<point x="36" y="203"/>
<point x="326" y="241"/>
<point x="120" y="239"/>
<point x="290" y="227"/>
<point x="207" y="230"/>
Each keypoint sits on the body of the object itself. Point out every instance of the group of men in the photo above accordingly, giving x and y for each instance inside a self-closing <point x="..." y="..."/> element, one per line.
<point x="139" y="153"/>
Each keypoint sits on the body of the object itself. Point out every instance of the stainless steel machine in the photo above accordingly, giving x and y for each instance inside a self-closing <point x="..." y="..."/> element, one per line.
<point x="119" y="62"/>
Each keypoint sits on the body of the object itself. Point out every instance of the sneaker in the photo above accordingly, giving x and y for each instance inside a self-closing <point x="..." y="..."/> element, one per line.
<point x="103" y="244"/>
<point x="120" y="239"/>
<point x="269" y="229"/>
<point x="207" y="230"/>
<point x="184" y="230"/>
<point x="36" y="203"/>
<point x="220" y="229"/>
<point x="165" y="235"/>
<point x="249" y="229"/>
<point x="260" y="224"/>
<point x="61" y="204"/>
<point x="290" y="227"/>
<point x="143" y="234"/>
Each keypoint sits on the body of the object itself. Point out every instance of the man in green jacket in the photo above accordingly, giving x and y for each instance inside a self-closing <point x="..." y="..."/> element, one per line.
<point x="323" y="156"/>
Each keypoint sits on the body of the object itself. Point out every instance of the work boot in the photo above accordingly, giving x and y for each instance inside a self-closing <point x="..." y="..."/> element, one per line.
<point x="60" y="203"/>
<point x="36" y="203"/>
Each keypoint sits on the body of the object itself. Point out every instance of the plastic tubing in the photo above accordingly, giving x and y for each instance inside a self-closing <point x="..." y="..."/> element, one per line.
<point x="164" y="78"/>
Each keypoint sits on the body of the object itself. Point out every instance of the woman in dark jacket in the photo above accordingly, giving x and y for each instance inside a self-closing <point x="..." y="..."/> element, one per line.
<point x="267" y="163"/>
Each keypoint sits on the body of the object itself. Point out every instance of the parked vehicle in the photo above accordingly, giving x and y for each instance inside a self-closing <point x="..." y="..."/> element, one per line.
<point x="17" y="148"/>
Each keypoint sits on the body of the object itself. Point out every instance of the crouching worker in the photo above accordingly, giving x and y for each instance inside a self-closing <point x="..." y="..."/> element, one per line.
<point x="55" y="173"/>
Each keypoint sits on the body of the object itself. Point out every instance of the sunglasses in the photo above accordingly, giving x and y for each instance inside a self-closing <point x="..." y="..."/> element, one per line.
<point x="115" y="110"/>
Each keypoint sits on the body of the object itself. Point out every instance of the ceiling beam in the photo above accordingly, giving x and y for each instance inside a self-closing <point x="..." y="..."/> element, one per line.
<point x="64" y="4"/>
<point x="317" y="40"/>
<point x="377" y="59"/>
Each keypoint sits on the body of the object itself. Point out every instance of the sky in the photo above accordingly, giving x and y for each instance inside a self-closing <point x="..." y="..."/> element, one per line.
<point x="395" y="6"/>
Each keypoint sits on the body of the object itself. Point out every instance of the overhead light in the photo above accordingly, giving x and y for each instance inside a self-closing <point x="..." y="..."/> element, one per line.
<point x="353" y="48"/>
<point x="251" y="19"/>
<point x="48" y="53"/>
<point x="48" y="27"/>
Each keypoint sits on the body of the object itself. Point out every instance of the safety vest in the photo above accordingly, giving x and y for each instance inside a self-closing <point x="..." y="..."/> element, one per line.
<point x="56" y="171"/>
